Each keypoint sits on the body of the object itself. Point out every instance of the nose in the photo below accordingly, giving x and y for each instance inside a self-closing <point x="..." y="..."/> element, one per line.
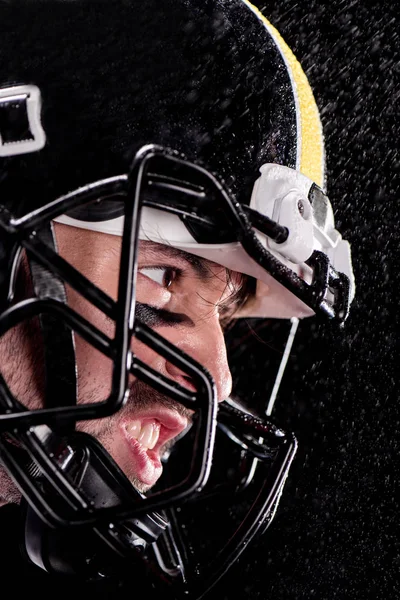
<point x="206" y="344"/>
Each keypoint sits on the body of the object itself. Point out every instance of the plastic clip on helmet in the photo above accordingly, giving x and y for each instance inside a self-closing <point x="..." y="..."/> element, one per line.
<point x="185" y="123"/>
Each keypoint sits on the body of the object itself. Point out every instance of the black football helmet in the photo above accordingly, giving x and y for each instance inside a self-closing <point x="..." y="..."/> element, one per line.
<point x="183" y="122"/>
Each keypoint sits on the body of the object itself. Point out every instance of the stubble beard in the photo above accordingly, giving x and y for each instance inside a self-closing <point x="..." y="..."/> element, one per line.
<point x="30" y="391"/>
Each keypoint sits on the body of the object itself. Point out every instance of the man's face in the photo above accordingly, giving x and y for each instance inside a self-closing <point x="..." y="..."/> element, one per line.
<point x="181" y="297"/>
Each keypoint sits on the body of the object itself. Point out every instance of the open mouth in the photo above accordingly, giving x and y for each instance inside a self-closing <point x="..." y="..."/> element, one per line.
<point x="146" y="436"/>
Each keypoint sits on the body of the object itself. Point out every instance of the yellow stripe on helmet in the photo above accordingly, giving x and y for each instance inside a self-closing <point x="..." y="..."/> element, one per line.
<point x="310" y="139"/>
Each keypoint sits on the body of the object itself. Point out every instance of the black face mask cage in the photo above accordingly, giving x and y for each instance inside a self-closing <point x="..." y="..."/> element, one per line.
<point x="19" y="421"/>
<point x="169" y="176"/>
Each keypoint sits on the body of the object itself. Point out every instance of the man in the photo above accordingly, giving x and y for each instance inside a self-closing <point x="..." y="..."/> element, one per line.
<point x="186" y="299"/>
<point x="162" y="173"/>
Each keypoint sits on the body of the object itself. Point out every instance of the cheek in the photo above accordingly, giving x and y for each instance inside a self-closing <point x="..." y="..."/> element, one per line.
<point x="146" y="355"/>
<point x="93" y="367"/>
<point x="94" y="372"/>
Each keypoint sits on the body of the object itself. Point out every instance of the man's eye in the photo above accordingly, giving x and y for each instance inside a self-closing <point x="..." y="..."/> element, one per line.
<point x="163" y="276"/>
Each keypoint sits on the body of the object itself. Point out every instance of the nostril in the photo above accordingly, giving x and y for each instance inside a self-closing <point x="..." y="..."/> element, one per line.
<point x="185" y="384"/>
<point x="181" y="377"/>
<point x="188" y="382"/>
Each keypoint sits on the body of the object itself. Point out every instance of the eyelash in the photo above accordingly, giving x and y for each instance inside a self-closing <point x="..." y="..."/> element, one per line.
<point x="150" y="271"/>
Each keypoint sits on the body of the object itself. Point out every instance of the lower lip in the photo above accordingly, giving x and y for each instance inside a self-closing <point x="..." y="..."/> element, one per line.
<point x="146" y="464"/>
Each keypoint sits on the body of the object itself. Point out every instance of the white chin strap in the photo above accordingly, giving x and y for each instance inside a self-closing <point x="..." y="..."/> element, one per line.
<point x="280" y="193"/>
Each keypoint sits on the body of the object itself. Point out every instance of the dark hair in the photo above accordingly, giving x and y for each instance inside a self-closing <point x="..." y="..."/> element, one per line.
<point x="241" y="294"/>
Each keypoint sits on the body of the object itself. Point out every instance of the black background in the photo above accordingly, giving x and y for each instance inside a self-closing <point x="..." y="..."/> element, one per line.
<point x="336" y="533"/>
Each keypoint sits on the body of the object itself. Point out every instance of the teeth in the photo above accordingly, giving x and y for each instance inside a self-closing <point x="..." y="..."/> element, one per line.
<point x="146" y="434"/>
<point x="134" y="429"/>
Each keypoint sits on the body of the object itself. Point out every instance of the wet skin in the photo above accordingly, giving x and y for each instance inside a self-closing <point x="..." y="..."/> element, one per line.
<point x="182" y="297"/>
